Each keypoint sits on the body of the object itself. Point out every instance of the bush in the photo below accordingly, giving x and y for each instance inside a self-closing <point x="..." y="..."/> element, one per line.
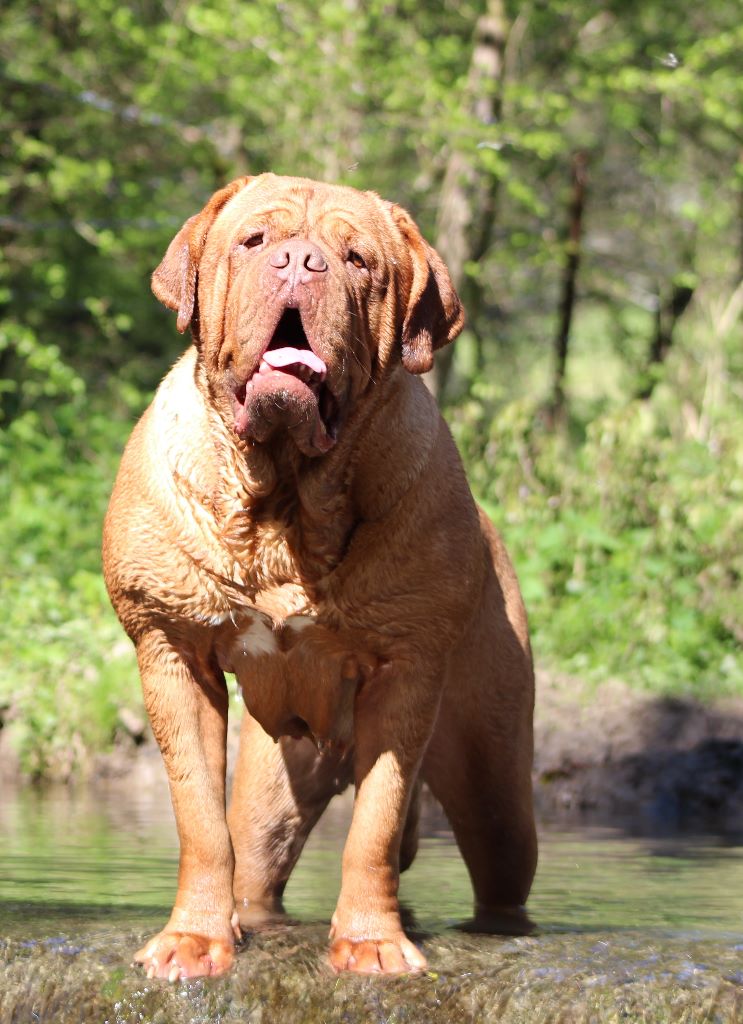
<point x="625" y="530"/>
<point x="66" y="668"/>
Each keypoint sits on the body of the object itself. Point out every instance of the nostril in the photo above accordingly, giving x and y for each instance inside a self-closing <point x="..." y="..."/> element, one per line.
<point x="314" y="260"/>
<point x="298" y="258"/>
<point x="280" y="259"/>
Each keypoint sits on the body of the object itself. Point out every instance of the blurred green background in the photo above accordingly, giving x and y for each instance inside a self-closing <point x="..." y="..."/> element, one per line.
<point x="579" y="165"/>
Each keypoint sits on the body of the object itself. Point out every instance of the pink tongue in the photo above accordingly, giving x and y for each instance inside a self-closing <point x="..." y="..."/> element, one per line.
<point x="277" y="358"/>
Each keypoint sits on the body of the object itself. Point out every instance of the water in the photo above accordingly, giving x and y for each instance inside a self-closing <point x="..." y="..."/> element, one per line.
<point x="77" y="856"/>
<point x="651" y="924"/>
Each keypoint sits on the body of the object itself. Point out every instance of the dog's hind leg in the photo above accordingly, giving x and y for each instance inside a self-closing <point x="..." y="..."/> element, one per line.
<point x="478" y="765"/>
<point x="488" y="802"/>
<point x="409" y="842"/>
<point x="279" y="791"/>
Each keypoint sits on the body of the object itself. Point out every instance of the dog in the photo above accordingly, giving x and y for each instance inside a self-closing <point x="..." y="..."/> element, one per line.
<point x="291" y="508"/>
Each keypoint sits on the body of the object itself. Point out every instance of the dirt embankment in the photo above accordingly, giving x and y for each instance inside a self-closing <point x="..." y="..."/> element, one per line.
<point x="611" y="754"/>
<point x="606" y="754"/>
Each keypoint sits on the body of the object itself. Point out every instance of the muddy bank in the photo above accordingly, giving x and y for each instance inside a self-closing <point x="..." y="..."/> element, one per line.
<point x="604" y="755"/>
<point x="282" y="977"/>
<point x="612" y="754"/>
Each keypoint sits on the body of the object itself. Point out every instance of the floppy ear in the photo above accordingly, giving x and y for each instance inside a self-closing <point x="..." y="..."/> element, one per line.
<point x="434" y="316"/>
<point x="174" y="281"/>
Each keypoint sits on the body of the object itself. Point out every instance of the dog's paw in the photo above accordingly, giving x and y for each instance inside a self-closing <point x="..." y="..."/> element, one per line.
<point x="180" y="955"/>
<point x="499" y="921"/>
<point x="254" y="916"/>
<point x="396" y="955"/>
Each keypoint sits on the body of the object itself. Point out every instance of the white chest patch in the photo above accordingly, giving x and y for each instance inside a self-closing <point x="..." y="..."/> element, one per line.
<point x="300" y="622"/>
<point x="258" y="638"/>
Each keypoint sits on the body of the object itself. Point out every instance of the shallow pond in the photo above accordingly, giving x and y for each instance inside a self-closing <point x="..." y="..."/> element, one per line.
<point x="630" y="927"/>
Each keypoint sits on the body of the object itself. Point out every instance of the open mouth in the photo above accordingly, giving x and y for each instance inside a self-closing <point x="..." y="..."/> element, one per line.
<point x="289" y="376"/>
<point x="290" y="352"/>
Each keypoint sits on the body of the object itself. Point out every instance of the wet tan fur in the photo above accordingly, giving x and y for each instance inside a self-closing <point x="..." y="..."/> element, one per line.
<point x="360" y="592"/>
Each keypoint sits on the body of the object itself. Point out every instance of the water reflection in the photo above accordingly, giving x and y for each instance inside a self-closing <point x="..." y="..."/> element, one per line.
<point x="112" y="856"/>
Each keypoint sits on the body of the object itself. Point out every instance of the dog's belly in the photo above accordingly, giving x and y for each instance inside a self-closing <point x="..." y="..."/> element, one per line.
<point x="297" y="677"/>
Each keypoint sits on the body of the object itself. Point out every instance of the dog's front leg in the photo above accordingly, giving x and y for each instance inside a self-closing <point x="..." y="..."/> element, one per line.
<point x="393" y="719"/>
<point x="187" y="703"/>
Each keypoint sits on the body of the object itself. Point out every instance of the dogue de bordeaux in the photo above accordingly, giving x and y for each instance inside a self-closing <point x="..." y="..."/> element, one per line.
<point x="291" y="508"/>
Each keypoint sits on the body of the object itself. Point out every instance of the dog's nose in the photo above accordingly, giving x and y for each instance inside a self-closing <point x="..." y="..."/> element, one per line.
<point x="298" y="261"/>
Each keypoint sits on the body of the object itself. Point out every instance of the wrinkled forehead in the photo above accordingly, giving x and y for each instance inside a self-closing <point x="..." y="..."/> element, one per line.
<point x="299" y="206"/>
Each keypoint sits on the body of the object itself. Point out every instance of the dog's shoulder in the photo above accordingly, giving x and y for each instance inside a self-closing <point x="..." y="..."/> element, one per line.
<point x="164" y="449"/>
<point x="161" y="542"/>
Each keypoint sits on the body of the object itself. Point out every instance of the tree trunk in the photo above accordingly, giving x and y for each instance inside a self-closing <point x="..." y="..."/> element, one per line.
<point x="671" y="308"/>
<point x="569" y="279"/>
<point x="468" y="198"/>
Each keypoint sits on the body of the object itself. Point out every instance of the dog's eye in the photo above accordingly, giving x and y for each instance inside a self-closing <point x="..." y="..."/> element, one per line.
<point x="253" y="241"/>
<point x="357" y="260"/>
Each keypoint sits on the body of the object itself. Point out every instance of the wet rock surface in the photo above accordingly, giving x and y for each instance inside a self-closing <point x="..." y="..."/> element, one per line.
<point x="283" y="977"/>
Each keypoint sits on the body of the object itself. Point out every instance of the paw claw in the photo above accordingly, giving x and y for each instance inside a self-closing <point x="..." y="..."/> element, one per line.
<point x="174" y="956"/>
<point x="394" y="955"/>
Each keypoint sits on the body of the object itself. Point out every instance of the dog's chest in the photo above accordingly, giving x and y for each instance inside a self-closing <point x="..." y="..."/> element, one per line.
<point x="297" y="675"/>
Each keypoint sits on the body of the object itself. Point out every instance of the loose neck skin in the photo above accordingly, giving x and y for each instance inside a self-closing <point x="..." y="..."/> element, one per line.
<point x="314" y="505"/>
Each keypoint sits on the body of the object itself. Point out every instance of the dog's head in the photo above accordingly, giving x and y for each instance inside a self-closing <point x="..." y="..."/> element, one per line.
<point x="301" y="296"/>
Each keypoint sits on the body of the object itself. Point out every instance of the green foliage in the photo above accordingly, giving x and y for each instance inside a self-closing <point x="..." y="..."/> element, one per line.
<point x="65" y="667"/>
<point x="118" y="120"/>
<point x="626" y="530"/>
